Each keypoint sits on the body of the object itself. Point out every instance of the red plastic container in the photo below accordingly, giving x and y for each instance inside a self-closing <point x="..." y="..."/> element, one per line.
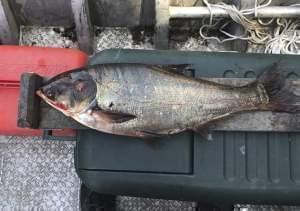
<point x="15" y="60"/>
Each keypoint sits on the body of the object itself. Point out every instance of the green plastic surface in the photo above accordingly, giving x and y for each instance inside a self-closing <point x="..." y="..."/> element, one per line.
<point x="236" y="167"/>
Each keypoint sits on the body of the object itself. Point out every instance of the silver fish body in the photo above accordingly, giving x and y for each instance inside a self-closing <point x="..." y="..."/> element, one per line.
<point x="144" y="100"/>
<point x="164" y="102"/>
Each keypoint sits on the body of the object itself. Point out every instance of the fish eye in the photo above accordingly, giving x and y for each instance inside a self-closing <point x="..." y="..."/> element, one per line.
<point x="50" y="94"/>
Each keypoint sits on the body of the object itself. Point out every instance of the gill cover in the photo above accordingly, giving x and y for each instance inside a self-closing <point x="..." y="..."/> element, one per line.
<point x="70" y="92"/>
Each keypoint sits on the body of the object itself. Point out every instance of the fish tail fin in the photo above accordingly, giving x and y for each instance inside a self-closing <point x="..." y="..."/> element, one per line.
<point x="281" y="99"/>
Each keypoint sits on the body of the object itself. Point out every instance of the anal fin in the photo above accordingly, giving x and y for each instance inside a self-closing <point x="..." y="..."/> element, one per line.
<point x="205" y="132"/>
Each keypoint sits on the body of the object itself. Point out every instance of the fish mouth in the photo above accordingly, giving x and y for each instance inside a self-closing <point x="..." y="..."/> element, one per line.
<point x="62" y="108"/>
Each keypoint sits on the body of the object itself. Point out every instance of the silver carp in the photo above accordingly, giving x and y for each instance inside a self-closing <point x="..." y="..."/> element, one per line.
<point x="148" y="100"/>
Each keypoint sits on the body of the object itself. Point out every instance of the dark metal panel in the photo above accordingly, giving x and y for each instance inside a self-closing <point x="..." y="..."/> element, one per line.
<point x="127" y="13"/>
<point x="294" y="157"/>
<point x="29" y="104"/>
<point x="165" y="155"/>
<point x="84" y="29"/>
<point x="162" y="19"/>
<point x="43" y="12"/>
<point x="116" y="13"/>
<point x="147" y="17"/>
<point x="9" y="31"/>
<point x="235" y="169"/>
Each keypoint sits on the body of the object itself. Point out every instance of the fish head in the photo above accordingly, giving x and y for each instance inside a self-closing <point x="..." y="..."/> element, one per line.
<point x="69" y="93"/>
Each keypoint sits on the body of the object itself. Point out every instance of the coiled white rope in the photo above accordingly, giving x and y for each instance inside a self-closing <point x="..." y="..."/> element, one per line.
<point x="285" y="38"/>
<point x="254" y="32"/>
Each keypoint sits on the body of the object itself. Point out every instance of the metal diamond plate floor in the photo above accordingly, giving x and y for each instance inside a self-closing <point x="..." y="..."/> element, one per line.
<point x="37" y="175"/>
<point x="125" y="203"/>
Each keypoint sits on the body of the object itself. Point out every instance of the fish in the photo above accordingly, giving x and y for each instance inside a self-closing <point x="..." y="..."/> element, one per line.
<point x="144" y="101"/>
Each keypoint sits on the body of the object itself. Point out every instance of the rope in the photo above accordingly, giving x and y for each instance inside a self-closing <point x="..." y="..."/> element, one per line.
<point x="253" y="31"/>
<point x="285" y="38"/>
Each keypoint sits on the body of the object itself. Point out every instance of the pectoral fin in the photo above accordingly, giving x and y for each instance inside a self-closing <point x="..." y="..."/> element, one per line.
<point x="101" y="120"/>
<point x="114" y="117"/>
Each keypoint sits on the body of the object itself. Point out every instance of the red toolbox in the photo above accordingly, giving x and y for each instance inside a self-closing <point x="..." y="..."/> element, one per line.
<point x="14" y="61"/>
